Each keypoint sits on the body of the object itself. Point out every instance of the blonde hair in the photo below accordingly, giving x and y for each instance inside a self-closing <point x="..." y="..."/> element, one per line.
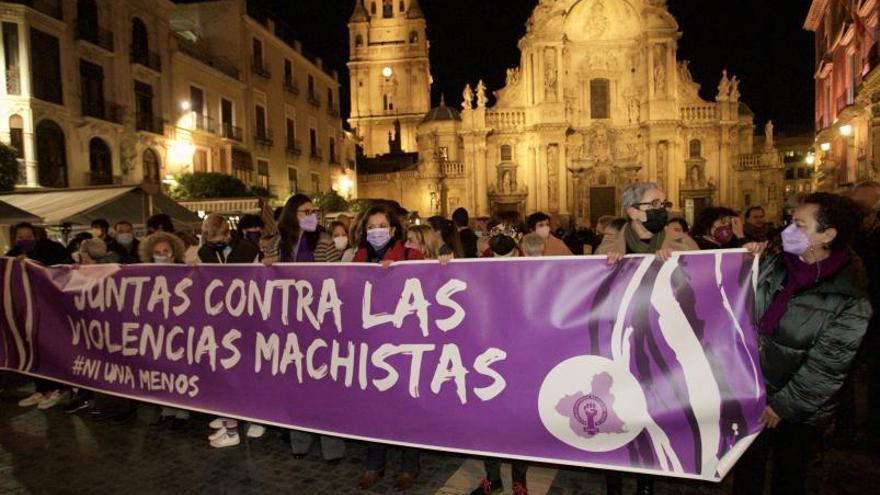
<point x="177" y="247"/>
<point x="213" y="225"/>
<point x="533" y="245"/>
<point x="428" y="240"/>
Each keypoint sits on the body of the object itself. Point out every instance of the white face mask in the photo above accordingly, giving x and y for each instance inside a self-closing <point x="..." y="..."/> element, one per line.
<point x="158" y="258"/>
<point x="543" y="231"/>
<point x="341" y="242"/>
<point x="125" y="239"/>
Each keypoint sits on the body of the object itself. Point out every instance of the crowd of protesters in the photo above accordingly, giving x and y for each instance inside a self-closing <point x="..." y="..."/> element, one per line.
<point x="819" y="279"/>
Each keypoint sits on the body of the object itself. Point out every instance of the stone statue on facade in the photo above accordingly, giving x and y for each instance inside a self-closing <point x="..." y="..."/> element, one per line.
<point x="768" y="135"/>
<point x="601" y="146"/>
<point x="507" y="182"/>
<point x="723" y="87"/>
<point x="684" y="71"/>
<point x="481" y="95"/>
<point x="512" y="77"/>
<point x="635" y="111"/>
<point x="467" y="98"/>
<point x="550" y="74"/>
<point x="660" y="72"/>
<point x="734" y="89"/>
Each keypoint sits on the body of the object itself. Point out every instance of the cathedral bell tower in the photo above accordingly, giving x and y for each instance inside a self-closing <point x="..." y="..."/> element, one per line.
<point x="390" y="72"/>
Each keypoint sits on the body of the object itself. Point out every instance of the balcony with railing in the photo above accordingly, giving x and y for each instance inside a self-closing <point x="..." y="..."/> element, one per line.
<point x="507" y="118"/>
<point x="263" y="137"/>
<point x="316" y="155"/>
<point x="314" y="100"/>
<point x="758" y="161"/>
<point x="453" y="169"/>
<point x="102" y="179"/>
<point x="97" y="36"/>
<point x="202" y="122"/>
<point x="230" y="131"/>
<point x="111" y="112"/>
<point x="294" y="148"/>
<point x="142" y="56"/>
<point x="260" y="68"/>
<point x="51" y="8"/>
<point x="690" y="113"/>
<point x="291" y="86"/>
<point x="149" y="123"/>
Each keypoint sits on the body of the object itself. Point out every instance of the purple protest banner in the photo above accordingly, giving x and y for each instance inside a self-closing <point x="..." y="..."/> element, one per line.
<point x="645" y="366"/>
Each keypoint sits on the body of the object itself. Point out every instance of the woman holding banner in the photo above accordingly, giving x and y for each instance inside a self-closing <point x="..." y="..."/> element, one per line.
<point x="645" y="206"/>
<point x="646" y="232"/>
<point x="298" y="242"/>
<point x="29" y="244"/>
<point x="382" y="242"/>
<point x="166" y="248"/>
<point x="298" y="234"/>
<point x="219" y="247"/>
<point x="813" y="309"/>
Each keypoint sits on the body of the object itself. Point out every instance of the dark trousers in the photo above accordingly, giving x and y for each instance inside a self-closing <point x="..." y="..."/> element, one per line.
<point x="45" y="386"/>
<point x="376" y="458"/>
<point x="493" y="470"/>
<point x="791" y="447"/>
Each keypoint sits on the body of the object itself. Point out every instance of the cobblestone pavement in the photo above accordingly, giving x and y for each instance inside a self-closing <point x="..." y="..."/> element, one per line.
<point x="52" y="452"/>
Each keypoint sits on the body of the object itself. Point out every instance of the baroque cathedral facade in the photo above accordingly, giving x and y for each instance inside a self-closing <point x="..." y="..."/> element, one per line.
<point x="598" y="101"/>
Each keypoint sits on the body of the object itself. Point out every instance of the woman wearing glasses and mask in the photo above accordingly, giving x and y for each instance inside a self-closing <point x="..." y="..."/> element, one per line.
<point x="645" y="207"/>
<point x="298" y="234"/>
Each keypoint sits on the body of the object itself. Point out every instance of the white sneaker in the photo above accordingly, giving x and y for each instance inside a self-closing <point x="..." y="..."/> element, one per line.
<point x="50" y="400"/>
<point x="217" y="434"/>
<point x="31" y="400"/>
<point x="255" y="431"/>
<point x="226" y="441"/>
<point x="216" y="424"/>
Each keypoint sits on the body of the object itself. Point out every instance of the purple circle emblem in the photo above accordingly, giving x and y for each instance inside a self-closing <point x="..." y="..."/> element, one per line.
<point x="591" y="412"/>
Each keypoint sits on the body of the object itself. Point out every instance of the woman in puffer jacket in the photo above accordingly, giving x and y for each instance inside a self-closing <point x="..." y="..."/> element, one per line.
<point x="813" y="310"/>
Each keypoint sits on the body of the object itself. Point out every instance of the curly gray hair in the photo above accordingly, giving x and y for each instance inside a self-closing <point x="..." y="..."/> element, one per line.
<point x="633" y="194"/>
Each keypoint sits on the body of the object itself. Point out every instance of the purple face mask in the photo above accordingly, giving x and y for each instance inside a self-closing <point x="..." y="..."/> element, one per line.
<point x="309" y="223"/>
<point x="378" y="237"/>
<point x="794" y="241"/>
<point x="724" y="235"/>
<point x="26" y="245"/>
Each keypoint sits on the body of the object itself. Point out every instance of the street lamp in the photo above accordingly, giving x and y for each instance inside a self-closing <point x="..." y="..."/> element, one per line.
<point x="810" y="159"/>
<point x="846" y="130"/>
<point x="825" y="146"/>
<point x="185" y="105"/>
<point x="387" y="72"/>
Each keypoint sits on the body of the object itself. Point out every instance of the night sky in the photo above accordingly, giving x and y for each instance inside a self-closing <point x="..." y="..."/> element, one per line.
<point x="760" y="41"/>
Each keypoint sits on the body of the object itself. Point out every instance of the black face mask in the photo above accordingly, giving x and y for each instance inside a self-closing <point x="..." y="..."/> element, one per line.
<point x="656" y="221"/>
<point x="219" y="246"/>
